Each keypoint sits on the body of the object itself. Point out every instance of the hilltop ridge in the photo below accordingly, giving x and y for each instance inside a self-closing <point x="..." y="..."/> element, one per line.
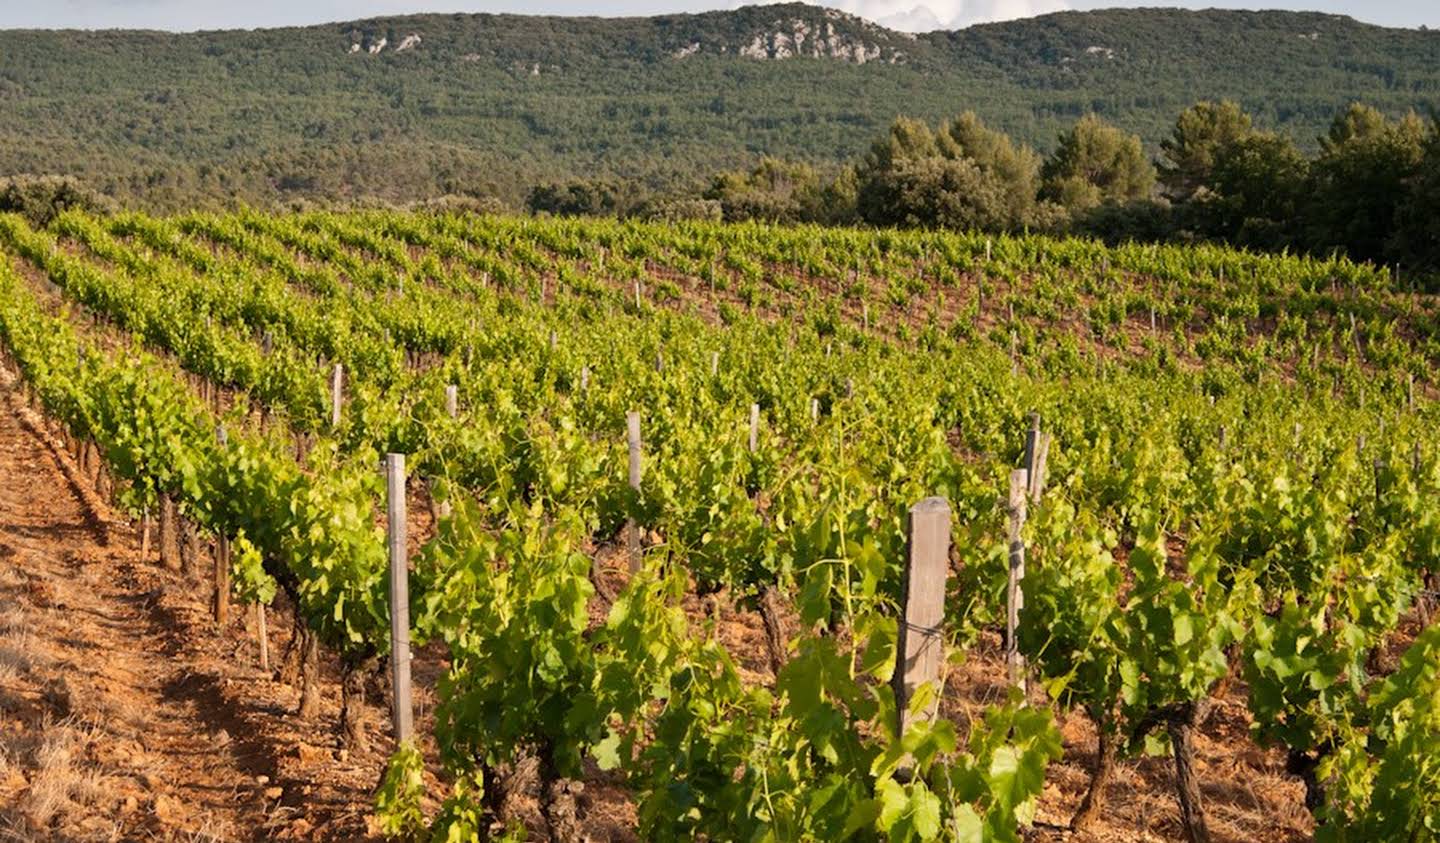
<point x="407" y="107"/>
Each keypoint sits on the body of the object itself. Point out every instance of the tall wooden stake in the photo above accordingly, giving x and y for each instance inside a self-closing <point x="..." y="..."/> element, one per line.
<point x="632" y="431"/>
<point x="1037" y="453"/>
<point x="222" y="560"/>
<point x="399" y="598"/>
<point x="263" y="636"/>
<point x="452" y="409"/>
<point x="1014" y="592"/>
<point x="920" y="645"/>
<point x="337" y="378"/>
<point x="754" y="427"/>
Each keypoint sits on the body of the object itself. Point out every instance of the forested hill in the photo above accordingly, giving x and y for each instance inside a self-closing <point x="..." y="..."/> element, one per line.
<point x="409" y="107"/>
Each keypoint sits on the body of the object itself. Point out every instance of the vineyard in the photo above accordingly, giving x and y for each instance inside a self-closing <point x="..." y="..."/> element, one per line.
<point x="1169" y="479"/>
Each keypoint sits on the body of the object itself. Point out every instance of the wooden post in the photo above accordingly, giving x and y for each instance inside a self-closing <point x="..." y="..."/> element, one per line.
<point x="337" y="378"/>
<point x="169" y="534"/>
<point x="1037" y="453"/>
<point x="222" y="559"/>
<point x="1224" y="437"/>
<point x="584" y="378"/>
<point x="145" y="533"/>
<point x="1014" y="352"/>
<point x="632" y="530"/>
<point x="714" y="363"/>
<point x="552" y="339"/>
<point x="987" y="249"/>
<point x="814" y="409"/>
<point x="921" y="641"/>
<point x="1410" y="391"/>
<point x="849" y="387"/>
<point x="637" y="295"/>
<point x="1015" y="592"/>
<point x="263" y="637"/>
<point x="754" y="427"/>
<point x="659" y="360"/>
<point x="399" y="598"/>
<point x="452" y="409"/>
<point x="865" y="315"/>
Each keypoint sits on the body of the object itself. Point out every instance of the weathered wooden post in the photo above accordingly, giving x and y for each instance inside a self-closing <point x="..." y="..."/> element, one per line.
<point x="815" y="409"/>
<point x="452" y="409"/>
<point x="1037" y="453"/>
<point x="754" y="427"/>
<point x="145" y="534"/>
<point x="714" y="363"/>
<point x="337" y="378"/>
<point x="584" y="378"/>
<point x="921" y="641"/>
<point x="637" y="295"/>
<point x="632" y="430"/>
<point x="399" y="598"/>
<point x="263" y="637"/>
<point x="222" y="558"/>
<point x="1015" y="592"/>
<point x="169" y="534"/>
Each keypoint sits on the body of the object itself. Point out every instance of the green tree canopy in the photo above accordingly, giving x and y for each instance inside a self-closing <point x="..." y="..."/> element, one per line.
<point x="774" y="190"/>
<point x="1203" y="132"/>
<point x="1360" y="178"/>
<point x="1255" y="190"/>
<point x="1417" y="224"/>
<point x="1015" y="168"/>
<point x="1094" y="163"/>
<point x="965" y="175"/>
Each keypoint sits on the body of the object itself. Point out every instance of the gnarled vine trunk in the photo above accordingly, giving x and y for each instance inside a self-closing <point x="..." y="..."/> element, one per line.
<point x="309" y="675"/>
<point x="1093" y="805"/>
<point x="1192" y="809"/>
<point x="352" y="703"/>
<point x="774" y="634"/>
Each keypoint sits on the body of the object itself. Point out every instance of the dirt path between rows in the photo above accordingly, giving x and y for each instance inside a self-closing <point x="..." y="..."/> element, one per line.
<point x="124" y="714"/>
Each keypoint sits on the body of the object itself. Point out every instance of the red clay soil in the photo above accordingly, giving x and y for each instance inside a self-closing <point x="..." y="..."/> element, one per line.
<point x="124" y="714"/>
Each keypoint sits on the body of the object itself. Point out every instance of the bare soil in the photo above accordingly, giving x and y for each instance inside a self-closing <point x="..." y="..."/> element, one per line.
<point x="125" y="714"/>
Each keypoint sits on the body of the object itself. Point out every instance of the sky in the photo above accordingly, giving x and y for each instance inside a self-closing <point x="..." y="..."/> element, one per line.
<point x="909" y="15"/>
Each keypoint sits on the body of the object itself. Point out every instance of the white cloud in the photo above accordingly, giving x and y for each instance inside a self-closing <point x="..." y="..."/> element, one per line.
<point x="908" y="16"/>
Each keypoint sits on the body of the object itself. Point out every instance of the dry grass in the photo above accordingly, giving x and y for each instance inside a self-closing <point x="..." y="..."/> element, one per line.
<point x="64" y="790"/>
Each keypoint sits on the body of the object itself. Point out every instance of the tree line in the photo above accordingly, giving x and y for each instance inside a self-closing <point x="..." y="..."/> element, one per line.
<point x="1371" y="191"/>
